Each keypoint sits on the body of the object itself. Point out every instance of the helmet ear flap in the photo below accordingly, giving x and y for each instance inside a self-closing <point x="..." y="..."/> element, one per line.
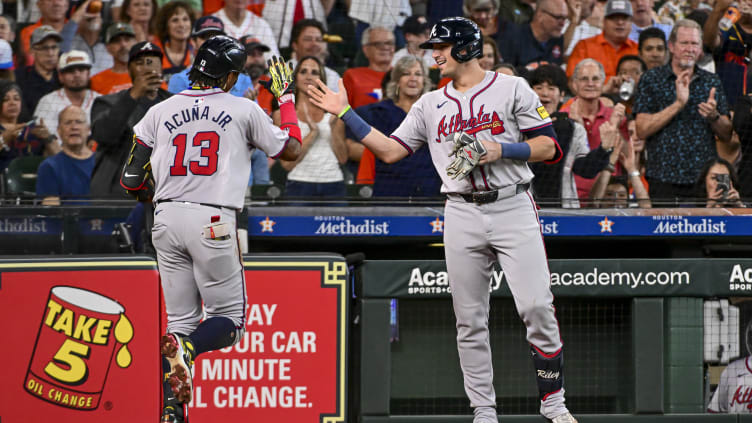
<point x="464" y="52"/>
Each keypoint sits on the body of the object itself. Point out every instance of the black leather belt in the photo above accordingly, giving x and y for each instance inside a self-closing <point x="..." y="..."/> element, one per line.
<point x="193" y="202"/>
<point x="484" y="197"/>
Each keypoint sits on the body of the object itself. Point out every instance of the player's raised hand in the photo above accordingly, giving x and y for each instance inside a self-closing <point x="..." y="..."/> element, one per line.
<point x="327" y="99"/>
<point x="280" y="77"/>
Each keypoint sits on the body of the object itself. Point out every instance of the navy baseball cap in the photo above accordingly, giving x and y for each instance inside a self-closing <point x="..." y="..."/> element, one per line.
<point x="251" y="43"/>
<point x="207" y="24"/>
<point x="118" y="28"/>
<point x="144" y="48"/>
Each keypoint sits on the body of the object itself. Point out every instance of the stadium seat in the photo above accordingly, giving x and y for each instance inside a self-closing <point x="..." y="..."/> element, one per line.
<point x="21" y="176"/>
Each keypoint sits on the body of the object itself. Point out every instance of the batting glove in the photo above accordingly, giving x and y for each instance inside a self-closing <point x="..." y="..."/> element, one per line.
<point x="467" y="156"/>
<point x="280" y="82"/>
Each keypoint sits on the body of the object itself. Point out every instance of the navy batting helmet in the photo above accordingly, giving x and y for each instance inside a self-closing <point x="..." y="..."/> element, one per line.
<point x="218" y="56"/>
<point x="462" y="32"/>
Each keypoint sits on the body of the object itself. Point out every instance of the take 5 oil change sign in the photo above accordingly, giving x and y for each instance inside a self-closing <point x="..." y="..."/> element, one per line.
<point x="80" y="345"/>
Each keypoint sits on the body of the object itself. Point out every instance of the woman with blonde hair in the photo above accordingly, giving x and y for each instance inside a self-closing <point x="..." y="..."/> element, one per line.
<point x="415" y="175"/>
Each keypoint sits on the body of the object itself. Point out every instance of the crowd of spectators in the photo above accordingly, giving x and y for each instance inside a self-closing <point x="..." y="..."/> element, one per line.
<point x="650" y="103"/>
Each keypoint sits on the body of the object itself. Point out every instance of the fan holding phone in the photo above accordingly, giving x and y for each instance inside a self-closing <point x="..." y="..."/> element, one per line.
<point x="718" y="184"/>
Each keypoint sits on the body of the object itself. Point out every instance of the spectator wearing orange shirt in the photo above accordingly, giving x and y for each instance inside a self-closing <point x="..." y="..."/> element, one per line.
<point x="363" y="84"/>
<point x="53" y="14"/>
<point x="119" y="39"/>
<point x="613" y="43"/>
<point x="174" y="23"/>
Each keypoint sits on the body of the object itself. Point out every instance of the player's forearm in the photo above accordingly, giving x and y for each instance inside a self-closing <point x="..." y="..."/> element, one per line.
<point x="647" y="124"/>
<point x="542" y="148"/>
<point x="387" y="150"/>
<point x="380" y="145"/>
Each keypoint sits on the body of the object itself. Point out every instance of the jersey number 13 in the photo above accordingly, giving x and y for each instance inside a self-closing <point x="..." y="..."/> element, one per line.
<point x="209" y="144"/>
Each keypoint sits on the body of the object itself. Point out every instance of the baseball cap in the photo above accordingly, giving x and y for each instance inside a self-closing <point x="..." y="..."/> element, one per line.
<point x="118" y="28"/>
<point x="252" y="43"/>
<point x="144" y="48"/>
<point x="73" y="58"/>
<point x="6" y="55"/>
<point x="206" y="24"/>
<point x="42" y="33"/>
<point x="618" y="7"/>
<point x="415" y="24"/>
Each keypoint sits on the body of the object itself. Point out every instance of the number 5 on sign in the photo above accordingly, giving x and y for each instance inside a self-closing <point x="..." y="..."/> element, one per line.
<point x="72" y="355"/>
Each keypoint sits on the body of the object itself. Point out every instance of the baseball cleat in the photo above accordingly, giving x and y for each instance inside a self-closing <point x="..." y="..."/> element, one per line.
<point x="173" y="412"/>
<point x="564" y="418"/>
<point x="178" y="352"/>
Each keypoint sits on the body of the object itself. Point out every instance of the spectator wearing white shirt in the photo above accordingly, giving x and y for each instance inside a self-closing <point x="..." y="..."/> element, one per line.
<point x="642" y="18"/>
<point x="588" y="19"/>
<point x="239" y="21"/>
<point x="281" y="16"/>
<point x="73" y="71"/>
<point x="383" y="14"/>
<point x="417" y="30"/>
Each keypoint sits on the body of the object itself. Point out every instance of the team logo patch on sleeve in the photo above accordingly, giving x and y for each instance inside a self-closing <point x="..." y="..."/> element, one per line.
<point x="542" y="112"/>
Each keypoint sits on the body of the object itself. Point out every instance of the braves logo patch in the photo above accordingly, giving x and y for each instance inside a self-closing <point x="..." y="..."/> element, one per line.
<point x="480" y="122"/>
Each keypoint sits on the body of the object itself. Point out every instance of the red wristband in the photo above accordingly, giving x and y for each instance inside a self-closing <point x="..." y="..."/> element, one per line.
<point x="289" y="120"/>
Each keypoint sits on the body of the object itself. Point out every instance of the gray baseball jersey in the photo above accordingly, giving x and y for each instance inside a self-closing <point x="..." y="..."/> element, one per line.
<point x="500" y="109"/>
<point x="734" y="392"/>
<point x="202" y="142"/>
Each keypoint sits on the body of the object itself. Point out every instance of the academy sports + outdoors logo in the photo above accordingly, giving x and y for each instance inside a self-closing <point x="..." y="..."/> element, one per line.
<point x="740" y="279"/>
<point x="79" y="333"/>
<point x="429" y="282"/>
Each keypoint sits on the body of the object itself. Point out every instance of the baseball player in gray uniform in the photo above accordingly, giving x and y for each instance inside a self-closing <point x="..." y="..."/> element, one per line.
<point x="482" y="129"/>
<point x="198" y="146"/>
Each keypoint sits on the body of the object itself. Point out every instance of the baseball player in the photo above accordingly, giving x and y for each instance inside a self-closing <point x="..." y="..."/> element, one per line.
<point x="198" y="146"/>
<point x="481" y="130"/>
<point x="734" y="392"/>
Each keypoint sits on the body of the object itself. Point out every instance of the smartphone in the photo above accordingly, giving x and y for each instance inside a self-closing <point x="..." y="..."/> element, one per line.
<point x="724" y="183"/>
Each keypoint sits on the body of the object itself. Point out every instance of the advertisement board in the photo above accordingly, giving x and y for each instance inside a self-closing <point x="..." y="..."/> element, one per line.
<point x="79" y="340"/>
<point x="82" y="343"/>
